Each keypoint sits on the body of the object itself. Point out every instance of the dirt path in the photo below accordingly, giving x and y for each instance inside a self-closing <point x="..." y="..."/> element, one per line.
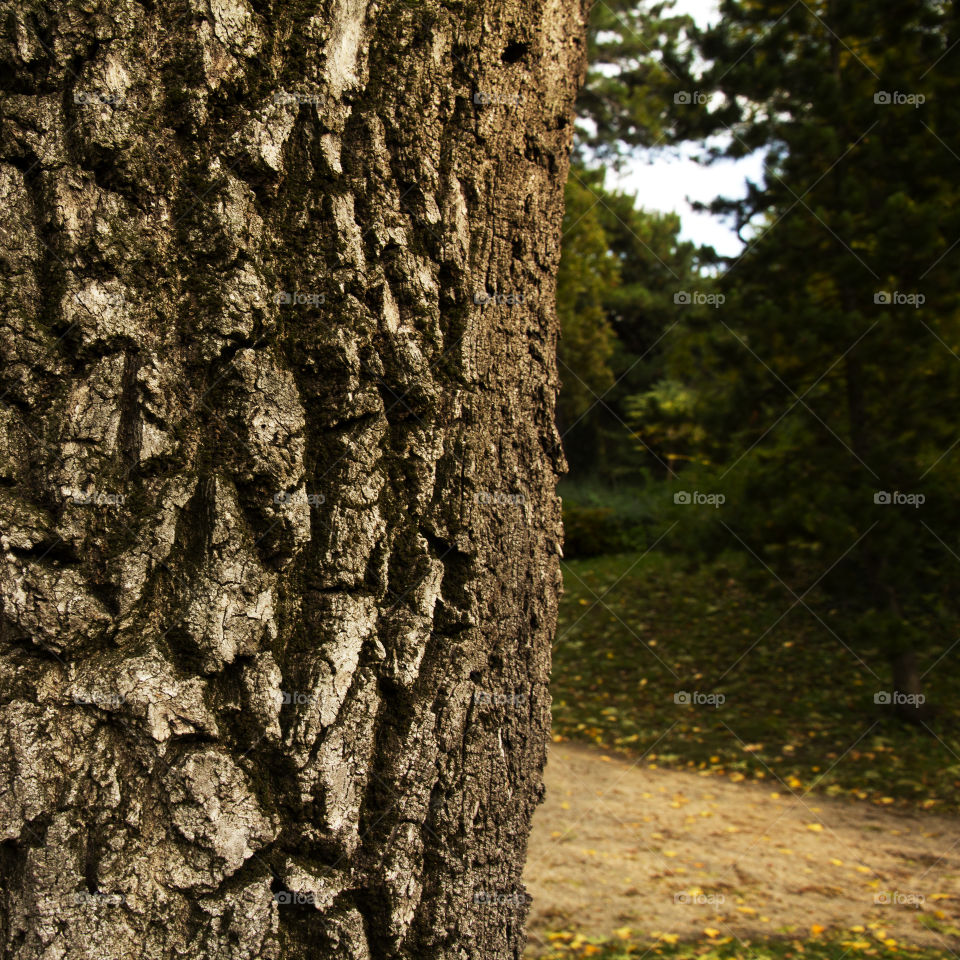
<point x="661" y="851"/>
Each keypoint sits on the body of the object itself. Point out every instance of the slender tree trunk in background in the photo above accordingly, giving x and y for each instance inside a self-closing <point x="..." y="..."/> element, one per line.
<point x="908" y="683"/>
<point x="277" y="506"/>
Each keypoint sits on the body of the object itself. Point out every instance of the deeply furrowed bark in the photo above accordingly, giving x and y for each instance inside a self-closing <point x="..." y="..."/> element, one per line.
<point x="277" y="463"/>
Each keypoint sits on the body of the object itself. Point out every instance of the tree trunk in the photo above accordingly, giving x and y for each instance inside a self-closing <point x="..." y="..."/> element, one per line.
<point x="907" y="695"/>
<point x="277" y="466"/>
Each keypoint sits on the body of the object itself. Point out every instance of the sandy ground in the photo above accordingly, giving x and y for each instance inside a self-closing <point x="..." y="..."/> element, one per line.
<point x="617" y="845"/>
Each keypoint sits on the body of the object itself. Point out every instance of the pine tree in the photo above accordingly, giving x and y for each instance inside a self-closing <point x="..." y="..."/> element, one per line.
<point x="828" y="381"/>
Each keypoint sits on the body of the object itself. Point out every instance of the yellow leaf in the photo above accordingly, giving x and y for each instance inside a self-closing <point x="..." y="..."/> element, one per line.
<point x="817" y="929"/>
<point x="669" y="937"/>
<point x="816" y="827"/>
<point x="836" y="862"/>
<point x="624" y="933"/>
<point x="711" y="932"/>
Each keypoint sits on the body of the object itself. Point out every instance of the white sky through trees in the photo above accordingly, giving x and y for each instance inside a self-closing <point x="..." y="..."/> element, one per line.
<point x="667" y="182"/>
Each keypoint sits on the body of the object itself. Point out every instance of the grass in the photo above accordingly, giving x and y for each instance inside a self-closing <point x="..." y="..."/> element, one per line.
<point x="799" y="707"/>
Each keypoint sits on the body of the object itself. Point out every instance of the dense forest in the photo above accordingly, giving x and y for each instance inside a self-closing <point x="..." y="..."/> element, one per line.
<point x="795" y="403"/>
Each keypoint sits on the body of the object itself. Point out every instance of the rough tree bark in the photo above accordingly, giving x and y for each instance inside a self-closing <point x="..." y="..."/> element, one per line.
<point x="277" y="463"/>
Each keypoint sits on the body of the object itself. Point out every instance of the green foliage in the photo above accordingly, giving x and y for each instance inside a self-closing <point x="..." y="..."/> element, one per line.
<point x="588" y="269"/>
<point x="599" y="518"/>
<point x="665" y="422"/>
<point x="637" y="52"/>
<point x="813" y="390"/>
<point x="620" y="270"/>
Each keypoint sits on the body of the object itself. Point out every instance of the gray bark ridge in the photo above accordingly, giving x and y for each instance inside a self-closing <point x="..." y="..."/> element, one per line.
<point x="279" y="535"/>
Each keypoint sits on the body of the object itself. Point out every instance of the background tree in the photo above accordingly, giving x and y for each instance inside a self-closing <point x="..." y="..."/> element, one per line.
<point x="825" y="383"/>
<point x="620" y="271"/>
<point x="588" y="271"/>
<point x="637" y="52"/>
<point x="622" y="266"/>
<point x="278" y="524"/>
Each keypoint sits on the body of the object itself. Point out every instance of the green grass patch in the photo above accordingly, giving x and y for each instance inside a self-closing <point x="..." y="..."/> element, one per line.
<point x="798" y="706"/>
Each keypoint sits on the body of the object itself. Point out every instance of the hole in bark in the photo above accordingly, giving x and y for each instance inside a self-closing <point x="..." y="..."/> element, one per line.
<point x="476" y="676"/>
<point x="90" y="866"/>
<point x="515" y="51"/>
<point x="57" y="552"/>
